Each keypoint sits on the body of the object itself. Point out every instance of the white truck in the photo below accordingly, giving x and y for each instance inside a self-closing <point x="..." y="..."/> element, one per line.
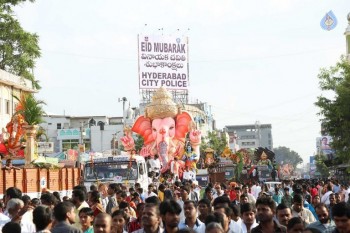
<point x="116" y="169"/>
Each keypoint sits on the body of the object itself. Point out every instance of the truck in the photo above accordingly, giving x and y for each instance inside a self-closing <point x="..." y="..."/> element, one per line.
<point x="124" y="169"/>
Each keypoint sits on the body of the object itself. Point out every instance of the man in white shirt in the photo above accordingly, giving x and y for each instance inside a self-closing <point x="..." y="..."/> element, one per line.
<point x="233" y="227"/>
<point x="251" y="198"/>
<point x="248" y="212"/>
<point x="325" y="197"/>
<point x="298" y="210"/>
<point x="155" y="164"/>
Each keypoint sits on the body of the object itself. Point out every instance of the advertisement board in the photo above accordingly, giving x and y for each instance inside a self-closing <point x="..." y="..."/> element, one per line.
<point x="163" y="61"/>
<point x="323" y="146"/>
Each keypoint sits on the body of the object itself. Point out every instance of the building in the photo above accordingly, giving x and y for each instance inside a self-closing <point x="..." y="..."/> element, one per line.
<point x="96" y="133"/>
<point x="250" y="136"/>
<point x="10" y="86"/>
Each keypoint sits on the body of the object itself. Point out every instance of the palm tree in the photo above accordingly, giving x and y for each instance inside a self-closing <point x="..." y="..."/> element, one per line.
<point x="30" y="108"/>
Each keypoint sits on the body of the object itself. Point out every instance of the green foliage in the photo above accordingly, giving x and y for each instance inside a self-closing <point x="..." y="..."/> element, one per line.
<point x="286" y="155"/>
<point x="214" y="140"/>
<point x="18" y="48"/>
<point x="321" y="166"/>
<point x="335" y="111"/>
<point x="31" y="109"/>
<point x="138" y="143"/>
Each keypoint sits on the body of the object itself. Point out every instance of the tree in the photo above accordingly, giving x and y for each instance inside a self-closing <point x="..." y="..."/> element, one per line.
<point x="216" y="141"/>
<point x="335" y="111"/>
<point x="18" y="48"/>
<point x="288" y="156"/>
<point x="321" y="166"/>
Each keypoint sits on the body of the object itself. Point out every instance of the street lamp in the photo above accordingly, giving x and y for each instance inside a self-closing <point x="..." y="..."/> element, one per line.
<point x="124" y="99"/>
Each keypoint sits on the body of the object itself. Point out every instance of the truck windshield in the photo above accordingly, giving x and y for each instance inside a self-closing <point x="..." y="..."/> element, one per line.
<point x="117" y="171"/>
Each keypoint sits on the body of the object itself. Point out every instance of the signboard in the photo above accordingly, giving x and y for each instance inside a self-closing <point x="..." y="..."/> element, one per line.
<point x="323" y="146"/>
<point x="45" y="147"/>
<point x="118" y="179"/>
<point x="163" y="61"/>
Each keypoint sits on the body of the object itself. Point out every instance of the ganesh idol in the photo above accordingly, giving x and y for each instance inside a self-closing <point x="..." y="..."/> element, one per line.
<point x="164" y="127"/>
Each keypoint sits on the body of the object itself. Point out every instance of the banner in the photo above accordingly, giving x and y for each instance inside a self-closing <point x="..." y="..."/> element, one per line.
<point x="323" y="146"/>
<point x="163" y="61"/>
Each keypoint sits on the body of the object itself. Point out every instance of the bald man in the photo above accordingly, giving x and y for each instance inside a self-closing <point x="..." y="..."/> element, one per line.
<point x="102" y="223"/>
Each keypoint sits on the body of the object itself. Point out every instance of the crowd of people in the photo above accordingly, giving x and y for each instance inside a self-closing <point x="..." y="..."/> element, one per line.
<point x="301" y="206"/>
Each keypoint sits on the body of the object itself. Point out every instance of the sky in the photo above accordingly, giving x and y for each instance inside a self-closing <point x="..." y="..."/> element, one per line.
<point x="254" y="60"/>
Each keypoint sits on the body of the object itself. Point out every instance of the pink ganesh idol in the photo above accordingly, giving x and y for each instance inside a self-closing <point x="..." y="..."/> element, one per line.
<point x="164" y="127"/>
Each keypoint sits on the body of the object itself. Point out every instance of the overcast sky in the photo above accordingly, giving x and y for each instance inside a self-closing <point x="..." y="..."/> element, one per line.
<point x="251" y="61"/>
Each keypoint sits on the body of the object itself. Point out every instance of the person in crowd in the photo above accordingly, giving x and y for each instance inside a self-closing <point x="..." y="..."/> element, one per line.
<point x="218" y="191"/>
<point x="12" y="192"/>
<point x="236" y="213"/>
<point x="222" y="201"/>
<point x="245" y="190"/>
<point x="78" y="199"/>
<point x="193" y="194"/>
<point x="161" y="189"/>
<point x="341" y="215"/>
<point x="248" y="217"/>
<point x="204" y="208"/>
<point x="135" y="224"/>
<point x="13" y="209"/>
<point x="9" y="165"/>
<point x="112" y="198"/>
<point x="214" y="227"/>
<point x="135" y="200"/>
<point x="57" y="195"/>
<point x="121" y="196"/>
<point x="331" y="204"/>
<point x="298" y="210"/>
<point x="48" y="199"/>
<point x="208" y="194"/>
<point x="316" y="200"/>
<point x="287" y="198"/>
<point x="191" y="220"/>
<point x="151" y="219"/>
<point x="283" y="214"/>
<point x="295" y="225"/>
<point x="103" y="223"/>
<point x="150" y="191"/>
<point x="227" y="212"/>
<point x="64" y="216"/>
<point x="337" y="198"/>
<point x="130" y="213"/>
<point x="119" y="221"/>
<point x="277" y="197"/>
<point x="324" y="221"/>
<point x="185" y="193"/>
<point x="244" y="199"/>
<point x="11" y="227"/>
<point x="35" y="202"/>
<point x="95" y="203"/>
<point x="265" y="213"/>
<point x="305" y="193"/>
<point x="325" y="197"/>
<point x="86" y="218"/>
<point x="231" y="191"/>
<point x="238" y="196"/>
<point x="43" y="218"/>
<point x="170" y="212"/>
<point x="103" y="189"/>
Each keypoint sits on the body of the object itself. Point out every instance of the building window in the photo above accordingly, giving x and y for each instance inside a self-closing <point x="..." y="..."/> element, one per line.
<point x="59" y="126"/>
<point x="7" y="106"/>
<point x="70" y="144"/>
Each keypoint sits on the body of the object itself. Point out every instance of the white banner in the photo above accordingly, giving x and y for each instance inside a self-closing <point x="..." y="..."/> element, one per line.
<point x="163" y="61"/>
